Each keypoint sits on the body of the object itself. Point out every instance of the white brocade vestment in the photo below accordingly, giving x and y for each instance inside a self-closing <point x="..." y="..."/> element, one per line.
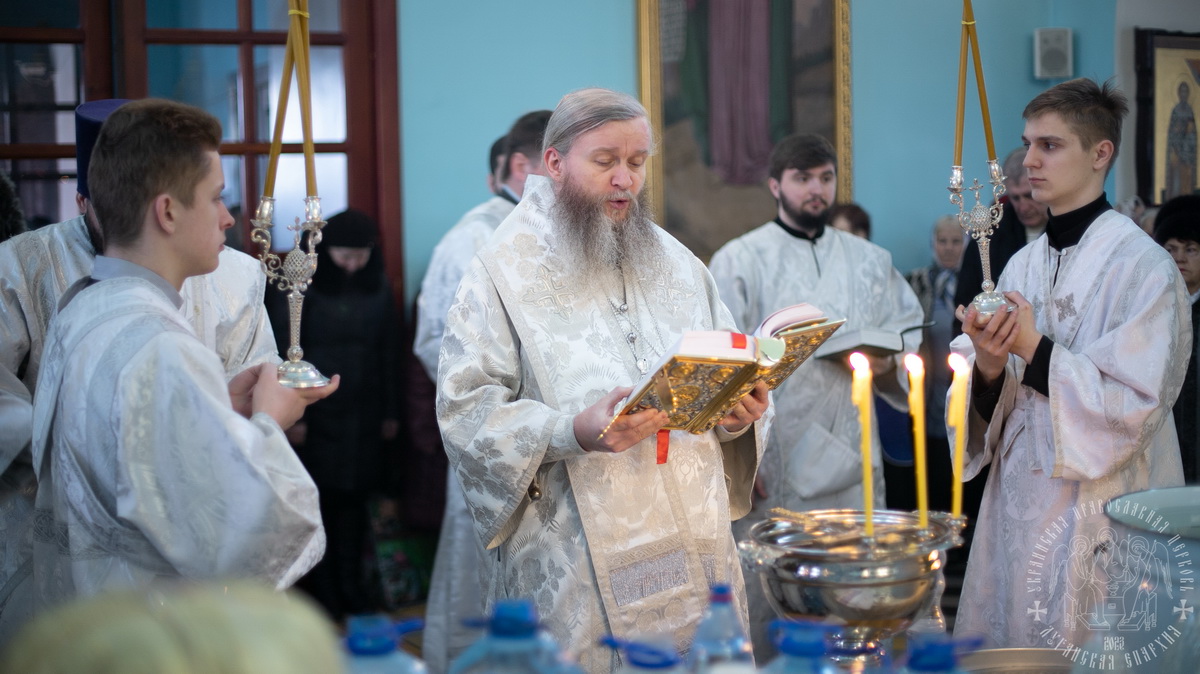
<point x="1044" y="553"/>
<point x="225" y="309"/>
<point x="813" y="459"/>
<point x="144" y="469"/>
<point x="603" y="543"/>
<point x="454" y="592"/>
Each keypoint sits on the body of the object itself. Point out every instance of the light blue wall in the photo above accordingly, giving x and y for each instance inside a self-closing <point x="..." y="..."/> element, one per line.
<point x="468" y="68"/>
<point x="904" y="58"/>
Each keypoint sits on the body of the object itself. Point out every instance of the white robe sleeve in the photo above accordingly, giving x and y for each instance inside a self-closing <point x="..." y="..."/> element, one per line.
<point x="214" y="493"/>
<point x="16" y="409"/>
<point x="495" y="435"/>
<point x="1108" y="401"/>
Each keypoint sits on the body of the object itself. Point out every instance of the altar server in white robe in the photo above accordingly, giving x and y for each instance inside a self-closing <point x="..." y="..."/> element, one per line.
<point x="813" y="458"/>
<point x="577" y="293"/>
<point x="149" y="464"/>
<point x="454" y="587"/>
<point x="225" y="309"/>
<point x="1071" y="394"/>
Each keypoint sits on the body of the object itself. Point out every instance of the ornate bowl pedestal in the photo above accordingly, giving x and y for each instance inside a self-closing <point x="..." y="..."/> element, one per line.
<point x="819" y="566"/>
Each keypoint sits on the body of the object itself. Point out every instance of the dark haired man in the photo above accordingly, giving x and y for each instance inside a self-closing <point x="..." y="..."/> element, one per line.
<point x="1071" y="395"/>
<point x="813" y="458"/>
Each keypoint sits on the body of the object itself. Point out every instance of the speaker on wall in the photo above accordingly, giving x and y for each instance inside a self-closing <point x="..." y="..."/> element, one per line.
<point x="1053" y="57"/>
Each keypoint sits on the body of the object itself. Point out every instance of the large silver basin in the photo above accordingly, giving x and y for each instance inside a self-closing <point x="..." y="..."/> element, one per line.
<point x="818" y="565"/>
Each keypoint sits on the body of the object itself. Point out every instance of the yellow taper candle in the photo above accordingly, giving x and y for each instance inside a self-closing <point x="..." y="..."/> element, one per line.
<point x="957" y="414"/>
<point x="916" y="407"/>
<point x="860" y="394"/>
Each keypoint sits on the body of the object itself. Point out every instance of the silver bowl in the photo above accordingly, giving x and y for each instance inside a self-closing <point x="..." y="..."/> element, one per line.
<point x="819" y="565"/>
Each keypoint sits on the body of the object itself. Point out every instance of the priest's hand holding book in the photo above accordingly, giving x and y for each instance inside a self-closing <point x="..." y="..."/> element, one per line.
<point x="708" y="379"/>
<point x="598" y="431"/>
<point x="595" y="433"/>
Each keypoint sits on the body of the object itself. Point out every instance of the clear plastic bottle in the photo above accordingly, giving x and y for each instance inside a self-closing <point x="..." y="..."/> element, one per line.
<point x="371" y="646"/>
<point x="512" y="644"/>
<point x="720" y="643"/>
<point x="802" y="649"/>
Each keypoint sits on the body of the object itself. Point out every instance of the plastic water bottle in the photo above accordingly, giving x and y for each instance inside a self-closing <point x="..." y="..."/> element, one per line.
<point x="720" y="643"/>
<point x="802" y="649"/>
<point x="512" y="644"/>
<point x="647" y="654"/>
<point x="371" y="646"/>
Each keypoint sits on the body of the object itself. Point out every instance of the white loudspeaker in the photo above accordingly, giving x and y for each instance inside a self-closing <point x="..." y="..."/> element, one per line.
<point x="1053" y="57"/>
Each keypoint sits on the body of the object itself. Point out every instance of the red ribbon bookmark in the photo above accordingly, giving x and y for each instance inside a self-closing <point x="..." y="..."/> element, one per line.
<point x="664" y="443"/>
<point x="739" y="340"/>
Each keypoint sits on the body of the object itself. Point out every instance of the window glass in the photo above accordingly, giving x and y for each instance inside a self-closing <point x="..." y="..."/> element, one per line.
<point x="40" y="14"/>
<point x="40" y="87"/>
<point x="328" y="95"/>
<point x="324" y="15"/>
<point x="203" y="75"/>
<point x="290" y="191"/>
<point x="206" y="15"/>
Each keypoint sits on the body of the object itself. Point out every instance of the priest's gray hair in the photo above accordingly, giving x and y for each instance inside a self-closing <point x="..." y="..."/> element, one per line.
<point x="586" y="109"/>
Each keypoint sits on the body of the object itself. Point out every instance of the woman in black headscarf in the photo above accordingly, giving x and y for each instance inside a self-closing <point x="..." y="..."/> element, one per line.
<point x="348" y="327"/>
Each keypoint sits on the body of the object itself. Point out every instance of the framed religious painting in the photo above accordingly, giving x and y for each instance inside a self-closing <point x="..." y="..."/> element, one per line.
<point x="723" y="81"/>
<point x="1168" y="94"/>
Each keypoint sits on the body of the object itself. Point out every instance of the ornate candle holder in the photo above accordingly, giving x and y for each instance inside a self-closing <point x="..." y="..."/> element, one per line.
<point x="292" y="275"/>
<point x="980" y="222"/>
<point x="819" y="565"/>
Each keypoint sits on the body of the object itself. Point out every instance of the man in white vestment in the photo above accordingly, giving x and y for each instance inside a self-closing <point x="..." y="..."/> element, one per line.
<point x="1070" y="398"/>
<point x="225" y="309"/>
<point x="813" y="458"/>
<point x="579" y="292"/>
<point x="149" y="464"/>
<point x="454" y="590"/>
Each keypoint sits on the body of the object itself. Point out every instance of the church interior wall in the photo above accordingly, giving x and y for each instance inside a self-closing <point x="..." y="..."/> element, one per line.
<point x="495" y="61"/>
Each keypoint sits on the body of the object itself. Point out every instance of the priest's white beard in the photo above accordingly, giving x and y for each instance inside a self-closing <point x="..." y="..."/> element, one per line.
<point x="595" y="245"/>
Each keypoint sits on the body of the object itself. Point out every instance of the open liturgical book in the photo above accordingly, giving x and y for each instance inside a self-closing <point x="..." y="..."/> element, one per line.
<point x="704" y="375"/>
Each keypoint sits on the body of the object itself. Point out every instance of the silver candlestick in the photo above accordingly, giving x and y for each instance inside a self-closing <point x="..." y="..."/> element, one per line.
<point x="292" y="275"/>
<point x="980" y="222"/>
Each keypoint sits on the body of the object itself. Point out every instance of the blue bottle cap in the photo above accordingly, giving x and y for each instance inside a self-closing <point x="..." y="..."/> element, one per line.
<point x="938" y="652"/>
<point x="800" y="639"/>
<point x="643" y="655"/>
<point x="513" y="619"/>
<point x="370" y="635"/>
<point x="720" y="593"/>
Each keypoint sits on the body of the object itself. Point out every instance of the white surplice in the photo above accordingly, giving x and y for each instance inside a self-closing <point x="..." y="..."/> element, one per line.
<point x="1117" y="311"/>
<point x="603" y="543"/>
<point x="454" y="587"/>
<point x="225" y="309"/>
<point x="813" y="458"/>
<point x="145" y="471"/>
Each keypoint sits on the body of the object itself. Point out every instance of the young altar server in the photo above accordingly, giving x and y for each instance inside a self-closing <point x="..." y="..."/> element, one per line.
<point x="1071" y="392"/>
<point x="149" y="464"/>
